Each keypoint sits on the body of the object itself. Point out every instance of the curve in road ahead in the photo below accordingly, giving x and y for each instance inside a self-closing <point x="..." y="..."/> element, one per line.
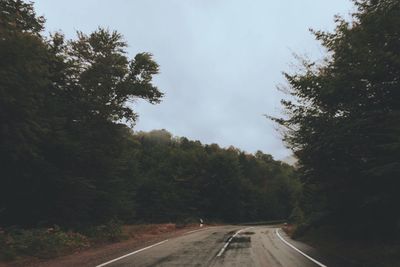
<point x="224" y="246"/>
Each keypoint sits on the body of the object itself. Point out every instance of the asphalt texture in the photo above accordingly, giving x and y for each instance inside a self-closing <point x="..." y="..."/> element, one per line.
<point x="255" y="246"/>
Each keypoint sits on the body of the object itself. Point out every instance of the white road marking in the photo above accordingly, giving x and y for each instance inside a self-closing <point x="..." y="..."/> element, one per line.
<point x="298" y="250"/>
<point x="132" y="253"/>
<point x="229" y="241"/>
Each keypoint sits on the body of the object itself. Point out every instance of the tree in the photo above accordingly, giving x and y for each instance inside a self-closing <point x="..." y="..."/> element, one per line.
<point x="104" y="81"/>
<point x="62" y="103"/>
<point x="24" y="82"/>
<point x="345" y="120"/>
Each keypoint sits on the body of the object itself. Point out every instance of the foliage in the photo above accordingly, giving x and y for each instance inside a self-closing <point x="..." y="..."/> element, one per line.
<point x="343" y="122"/>
<point x="108" y="232"/>
<point x="180" y="179"/>
<point x="61" y="103"/>
<point x="40" y="242"/>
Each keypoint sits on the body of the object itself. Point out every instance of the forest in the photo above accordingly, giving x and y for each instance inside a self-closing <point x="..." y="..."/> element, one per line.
<point x="70" y="155"/>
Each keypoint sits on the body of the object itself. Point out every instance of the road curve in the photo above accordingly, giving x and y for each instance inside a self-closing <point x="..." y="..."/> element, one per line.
<point x="225" y="246"/>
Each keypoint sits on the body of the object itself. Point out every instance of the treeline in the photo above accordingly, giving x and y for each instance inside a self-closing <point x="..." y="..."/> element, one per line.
<point x="69" y="158"/>
<point x="178" y="178"/>
<point x="344" y="125"/>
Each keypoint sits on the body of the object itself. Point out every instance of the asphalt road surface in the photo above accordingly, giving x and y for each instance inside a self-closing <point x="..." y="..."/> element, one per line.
<point x="226" y="246"/>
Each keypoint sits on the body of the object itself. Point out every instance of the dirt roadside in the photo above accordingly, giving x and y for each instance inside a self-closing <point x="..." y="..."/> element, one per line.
<point x="102" y="253"/>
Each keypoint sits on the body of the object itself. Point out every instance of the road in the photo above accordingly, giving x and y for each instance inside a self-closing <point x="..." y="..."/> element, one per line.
<point x="225" y="246"/>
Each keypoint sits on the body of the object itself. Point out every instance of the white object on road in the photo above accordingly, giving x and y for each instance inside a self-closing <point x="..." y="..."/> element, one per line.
<point x="132" y="253"/>
<point x="229" y="241"/>
<point x="298" y="250"/>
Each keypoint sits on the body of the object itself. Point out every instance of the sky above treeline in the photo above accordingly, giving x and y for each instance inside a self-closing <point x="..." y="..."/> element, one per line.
<point x="220" y="60"/>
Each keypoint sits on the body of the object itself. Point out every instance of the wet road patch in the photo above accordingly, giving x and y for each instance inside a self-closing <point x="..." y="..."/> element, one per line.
<point x="241" y="239"/>
<point x="239" y="242"/>
<point x="226" y="237"/>
<point x="247" y="233"/>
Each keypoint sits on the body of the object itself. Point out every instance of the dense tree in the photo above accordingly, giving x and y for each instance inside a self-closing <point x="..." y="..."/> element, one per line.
<point x="344" y="123"/>
<point x="24" y="83"/>
<point x="61" y="105"/>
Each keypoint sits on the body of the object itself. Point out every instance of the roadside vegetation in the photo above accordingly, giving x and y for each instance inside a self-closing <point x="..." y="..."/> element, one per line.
<point x="39" y="242"/>
<point x="343" y="124"/>
<point x="21" y="246"/>
<point x="71" y="158"/>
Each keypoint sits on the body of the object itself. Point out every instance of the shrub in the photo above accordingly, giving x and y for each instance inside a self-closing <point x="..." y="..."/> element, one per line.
<point x="108" y="232"/>
<point x="41" y="243"/>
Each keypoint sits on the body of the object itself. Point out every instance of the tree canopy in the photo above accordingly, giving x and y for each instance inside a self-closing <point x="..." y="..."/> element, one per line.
<point x="343" y="121"/>
<point x="61" y="105"/>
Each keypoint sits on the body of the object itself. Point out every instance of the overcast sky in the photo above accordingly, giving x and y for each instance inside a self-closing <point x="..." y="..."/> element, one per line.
<point x="220" y="60"/>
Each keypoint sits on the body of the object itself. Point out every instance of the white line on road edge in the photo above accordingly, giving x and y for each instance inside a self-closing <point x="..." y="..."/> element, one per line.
<point x="132" y="253"/>
<point x="298" y="250"/>
<point x="229" y="241"/>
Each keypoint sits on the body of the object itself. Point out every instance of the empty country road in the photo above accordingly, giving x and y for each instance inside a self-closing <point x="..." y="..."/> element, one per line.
<point x="225" y="246"/>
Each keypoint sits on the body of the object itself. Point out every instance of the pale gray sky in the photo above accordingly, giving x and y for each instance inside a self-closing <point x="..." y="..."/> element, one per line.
<point x="220" y="59"/>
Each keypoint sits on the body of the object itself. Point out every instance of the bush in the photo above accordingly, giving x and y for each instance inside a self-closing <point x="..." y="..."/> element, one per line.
<point x="41" y="243"/>
<point x="109" y="232"/>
